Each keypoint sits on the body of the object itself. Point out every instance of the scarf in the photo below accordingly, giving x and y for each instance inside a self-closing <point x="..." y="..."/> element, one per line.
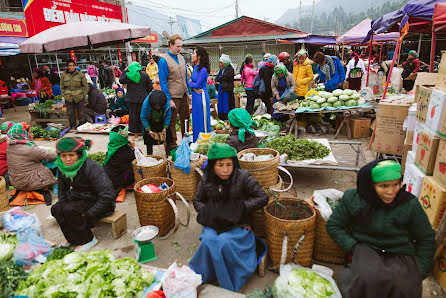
<point x="325" y="69"/>
<point x="366" y="190"/>
<point x="17" y="134"/>
<point x="71" y="171"/>
<point x="117" y="140"/>
<point x="240" y="118"/>
<point x="6" y="126"/>
<point x="133" y="72"/>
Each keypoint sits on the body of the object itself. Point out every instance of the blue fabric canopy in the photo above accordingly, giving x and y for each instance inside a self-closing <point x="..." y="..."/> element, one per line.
<point x="313" y="39"/>
<point x="414" y="9"/>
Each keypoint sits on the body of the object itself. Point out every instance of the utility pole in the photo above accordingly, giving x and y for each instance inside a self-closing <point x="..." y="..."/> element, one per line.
<point x="300" y="11"/>
<point x="236" y="9"/>
<point x="336" y="25"/>
<point x="312" y="18"/>
<point x="171" y="22"/>
<point x="127" y="44"/>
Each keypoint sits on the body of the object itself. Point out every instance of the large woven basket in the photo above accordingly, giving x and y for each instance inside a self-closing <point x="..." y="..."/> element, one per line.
<point x="325" y="250"/>
<point x="276" y="228"/>
<point x="186" y="184"/>
<point x="153" y="208"/>
<point x="4" y="199"/>
<point x="266" y="172"/>
<point x="159" y="170"/>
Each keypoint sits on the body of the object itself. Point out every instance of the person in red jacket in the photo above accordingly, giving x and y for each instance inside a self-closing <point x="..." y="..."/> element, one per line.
<point x="42" y="85"/>
<point x="3" y="146"/>
<point x="412" y="65"/>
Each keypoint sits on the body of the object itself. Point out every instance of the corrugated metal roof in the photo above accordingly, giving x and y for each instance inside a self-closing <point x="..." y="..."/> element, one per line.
<point x="194" y="41"/>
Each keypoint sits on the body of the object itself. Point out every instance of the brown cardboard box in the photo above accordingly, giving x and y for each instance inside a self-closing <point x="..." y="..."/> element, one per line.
<point x="389" y="131"/>
<point x="441" y="78"/>
<point x="422" y="99"/>
<point x="407" y="147"/>
<point x="440" y="164"/>
<point x="425" y="79"/>
<point x="433" y="200"/>
<point x="426" y="153"/>
<point x="359" y="127"/>
<point x="439" y="269"/>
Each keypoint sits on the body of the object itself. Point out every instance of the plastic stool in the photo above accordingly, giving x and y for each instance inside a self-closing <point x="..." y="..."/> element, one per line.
<point x="100" y="119"/>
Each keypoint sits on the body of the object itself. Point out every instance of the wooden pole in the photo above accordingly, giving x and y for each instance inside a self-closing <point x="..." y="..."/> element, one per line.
<point x="342" y="50"/>
<point x="397" y="51"/>
<point x="381" y="52"/>
<point x="433" y="45"/>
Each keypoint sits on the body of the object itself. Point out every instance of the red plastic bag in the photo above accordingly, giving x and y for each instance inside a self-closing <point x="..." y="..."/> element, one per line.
<point x="156" y="294"/>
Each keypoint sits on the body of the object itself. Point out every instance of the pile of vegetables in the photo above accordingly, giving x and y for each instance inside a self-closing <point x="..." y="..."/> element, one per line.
<point x="58" y="98"/>
<point x="216" y="138"/>
<point x="303" y="283"/>
<point x="320" y="87"/>
<point x="301" y="149"/>
<point x="8" y="243"/>
<point x="59" y="253"/>
<point x="219" y="125"/>
<point x="98" y="157"/>
<point x="91" y="274"/>
<point x="239" y="89"/>
<point x="336" y="99"/>
<point x="10" y="277"/>
<point x="44" y="107"/>
<point x="108" y="91"/>
<point x="40" y="133"/>
<point x="265" y="122"/>
<point x="333" y="204"/>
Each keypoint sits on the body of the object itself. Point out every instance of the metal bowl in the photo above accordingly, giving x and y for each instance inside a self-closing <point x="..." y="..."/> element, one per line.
<point x="145" y="233"/>
<point x="260" y="134"/>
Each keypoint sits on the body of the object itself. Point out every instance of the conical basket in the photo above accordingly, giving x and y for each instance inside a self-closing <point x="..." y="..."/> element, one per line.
<point x="159" y="170"/>
<point x="266" y="172"/>
<point x="186" y="184"/>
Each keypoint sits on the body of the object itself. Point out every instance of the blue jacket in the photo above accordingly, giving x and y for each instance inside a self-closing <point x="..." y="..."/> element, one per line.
<point x="336" y="78"/>
<point x="145" y="113"/>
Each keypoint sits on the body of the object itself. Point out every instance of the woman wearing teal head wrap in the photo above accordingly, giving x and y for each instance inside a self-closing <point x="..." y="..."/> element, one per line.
<point x="281" y="81"/>
<point x="388" y="233"/>
<point x="242" y="136"/>
<point x="225" y="80"/>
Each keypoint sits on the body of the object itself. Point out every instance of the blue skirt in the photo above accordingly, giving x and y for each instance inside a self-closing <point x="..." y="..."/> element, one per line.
<point x="198" y="114"/>
<point x="229" y="257"/>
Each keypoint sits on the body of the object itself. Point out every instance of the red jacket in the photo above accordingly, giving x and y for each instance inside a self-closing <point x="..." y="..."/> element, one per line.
<point x="46" y="86"/>
<point x="3" y="165"/>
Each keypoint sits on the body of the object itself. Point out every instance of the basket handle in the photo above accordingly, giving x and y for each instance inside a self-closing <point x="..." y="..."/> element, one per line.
<point x="291" y="179"/>
<point x="199" y="171"/>
<point x="187" y="208"/>
<point x="177" y="220"/>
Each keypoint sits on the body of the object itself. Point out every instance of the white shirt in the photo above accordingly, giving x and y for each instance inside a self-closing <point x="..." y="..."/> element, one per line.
<point x="351" y="65"/>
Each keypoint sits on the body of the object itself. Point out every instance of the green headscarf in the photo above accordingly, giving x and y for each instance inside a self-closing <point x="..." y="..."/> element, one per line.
<point x="386" y="170"/>
<point x="221" y="151"/>
<point x="280" y="68"/>
<point x="72" y="144"/>
<point x="117" y="140"/>
<point x="240" y="118"/>
<point x="17" y="134"/>
<point x="133" y="72"/>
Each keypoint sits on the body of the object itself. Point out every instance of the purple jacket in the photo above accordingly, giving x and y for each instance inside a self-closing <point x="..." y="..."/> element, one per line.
<point x="92" y="71"/>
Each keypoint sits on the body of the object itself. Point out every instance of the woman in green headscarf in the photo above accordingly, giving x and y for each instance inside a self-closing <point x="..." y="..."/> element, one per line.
<point x="139" y="86"/>
<point x="120" y="154"/>
<point x="242" y="136"/>
<point x="86" y="193"/>
<point x="281" y="81"/>
<point x="388" y="233"/>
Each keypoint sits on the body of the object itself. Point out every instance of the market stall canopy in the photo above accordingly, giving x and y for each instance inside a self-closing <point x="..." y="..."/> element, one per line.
<point x="82" y="34"/>
<point x="9" y="49"/>
<point x="440" y="15"/>
<point x="418" y="13"/>
<point x="359" y="32"/>
<point x="313" y="39"/>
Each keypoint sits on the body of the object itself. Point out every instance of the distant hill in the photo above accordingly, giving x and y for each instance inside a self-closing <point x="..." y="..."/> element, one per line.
<point x="348" y="13"/>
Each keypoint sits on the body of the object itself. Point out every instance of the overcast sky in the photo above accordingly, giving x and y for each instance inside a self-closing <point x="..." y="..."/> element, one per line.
<point x="212" y="13"/>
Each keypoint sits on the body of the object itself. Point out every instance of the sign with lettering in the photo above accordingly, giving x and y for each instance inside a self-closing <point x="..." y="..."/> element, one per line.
<point x="13" y="27"/>
<point x="152" y="38"/>
<point x="44" y="14"/>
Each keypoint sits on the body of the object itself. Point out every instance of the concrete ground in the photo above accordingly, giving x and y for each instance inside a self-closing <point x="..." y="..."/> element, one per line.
<point x="182" y="245"/>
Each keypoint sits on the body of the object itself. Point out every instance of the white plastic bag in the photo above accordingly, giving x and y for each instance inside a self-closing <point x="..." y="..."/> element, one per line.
<point x="320" y="198"/>
<point x="261" y="110"/>
<point x="180" y="282"/>
<point x="283" y="285"/>
<point x="144" y="161"/>
<point x="16" y="219"/>
<point x="396" y="79"/>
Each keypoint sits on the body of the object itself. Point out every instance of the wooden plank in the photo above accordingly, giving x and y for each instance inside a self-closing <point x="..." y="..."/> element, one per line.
<point x="114" y="217"/>
<point x="118" y="221"/>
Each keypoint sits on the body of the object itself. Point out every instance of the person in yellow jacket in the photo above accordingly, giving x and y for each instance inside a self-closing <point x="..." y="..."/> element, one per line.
<point x="152" y="69"/>
<point x="302" y="72"/>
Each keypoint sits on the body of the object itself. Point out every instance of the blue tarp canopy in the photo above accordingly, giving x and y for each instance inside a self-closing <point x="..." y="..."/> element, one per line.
<point x="418" y="12"/>
<point x="315" y="39"/>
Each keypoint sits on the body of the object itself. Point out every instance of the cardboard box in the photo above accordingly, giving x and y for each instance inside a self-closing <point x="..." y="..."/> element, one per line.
<point x="439" y="269"/>
<point x="419" y="127"/>
<point x="413" y="179"/>
<point x="426" y="153"/>
<point x="407" y="148"/>
<point x="433" y="200"/>
<point x="359" y="127"/>
<point x="440" y="164"/>
<point x="436" y="112"/>
<point x="425" y="79"/>
<point x="441" y="78"/>
<point x="389" y="131"/>
<point x="422" y="98"/>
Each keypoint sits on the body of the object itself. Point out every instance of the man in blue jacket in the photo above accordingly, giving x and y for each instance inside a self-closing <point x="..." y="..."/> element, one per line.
<point x="330" y="70"/>
<point x="155" y="117"/>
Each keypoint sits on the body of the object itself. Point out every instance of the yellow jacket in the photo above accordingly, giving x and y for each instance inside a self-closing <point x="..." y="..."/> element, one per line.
<point x="152" y="70"/>
<point x="303" y="75"/>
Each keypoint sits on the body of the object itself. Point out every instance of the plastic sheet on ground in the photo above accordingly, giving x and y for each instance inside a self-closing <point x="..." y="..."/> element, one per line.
<point x="327" y="160"/>
<point x="307" y="109"/>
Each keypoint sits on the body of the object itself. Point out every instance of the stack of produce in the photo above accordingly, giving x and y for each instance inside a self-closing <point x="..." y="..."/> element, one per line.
<point x="98" y="157"/>
<point x="336" y="99"/>
<point x="8" y="243"/>
<point x="301" y="149"/>
<point x="40" y="133"/>
<point x="203" y="148"/>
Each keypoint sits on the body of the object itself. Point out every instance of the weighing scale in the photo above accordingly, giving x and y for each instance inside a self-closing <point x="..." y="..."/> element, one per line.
<point x="144" y="248"/>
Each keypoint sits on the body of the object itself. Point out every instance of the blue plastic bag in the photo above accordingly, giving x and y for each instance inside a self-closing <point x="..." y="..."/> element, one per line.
<point x="182" y="161"/>
<point x="32" y="247"/>
<point x="16" y="219"/>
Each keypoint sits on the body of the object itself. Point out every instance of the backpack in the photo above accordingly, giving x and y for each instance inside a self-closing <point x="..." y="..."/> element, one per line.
<point x="258" y="85"/>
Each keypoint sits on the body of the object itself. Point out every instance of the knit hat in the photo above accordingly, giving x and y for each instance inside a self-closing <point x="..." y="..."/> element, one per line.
<point x="240" y="118"/>
<point x="221" y="151"/>
<point x="386" y="170"/>
<point x="6" y="126"/>
<point x="413" y="53"/>
<point x="133" y="72"/>
<point x="157" y="99"/>
<point x="72" y="144"/>
<point x="280" y="68"/>
<point x="301" y="54"/>
<point x="225" y="59"/>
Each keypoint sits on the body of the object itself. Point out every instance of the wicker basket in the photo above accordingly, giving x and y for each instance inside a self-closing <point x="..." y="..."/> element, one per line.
<point x="153" y="208"/>
<point x="325" y="250"/>
<point x="276" y="228"/>
<point x="266" y="172"/>
<point x="186" y="184"/>
<point x="4" y="202"/>
<point x="159" y="170"/>
<point x="2" y="185"/>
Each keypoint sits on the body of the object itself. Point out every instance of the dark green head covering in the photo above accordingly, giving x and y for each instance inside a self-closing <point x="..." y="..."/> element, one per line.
<point x="240" y="118"/>
<point x="386" y="170"/>
<point x="280" y="68"/>
<point x="221" y="151"/>
<point x="133" y="72"/>
<point x="118" y="138"/>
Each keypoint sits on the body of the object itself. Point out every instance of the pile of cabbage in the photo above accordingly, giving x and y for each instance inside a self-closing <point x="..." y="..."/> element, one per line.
<point x="336" y="99"/>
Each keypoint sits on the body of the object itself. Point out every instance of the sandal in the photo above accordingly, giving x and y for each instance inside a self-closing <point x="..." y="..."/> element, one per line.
<point x="87" y="246"/>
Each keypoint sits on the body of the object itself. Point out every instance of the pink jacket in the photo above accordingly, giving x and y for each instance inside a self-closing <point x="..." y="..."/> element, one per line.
<point x="92" y="71"/>
<point x="248" y="75"/>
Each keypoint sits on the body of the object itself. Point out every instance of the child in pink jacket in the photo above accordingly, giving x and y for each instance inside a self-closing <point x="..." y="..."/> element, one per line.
<point x="247" y="77"/>
<point x="92" y="71"/>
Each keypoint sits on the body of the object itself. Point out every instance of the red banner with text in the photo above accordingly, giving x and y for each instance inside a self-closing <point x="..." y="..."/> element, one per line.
<point x="13" y="27"/>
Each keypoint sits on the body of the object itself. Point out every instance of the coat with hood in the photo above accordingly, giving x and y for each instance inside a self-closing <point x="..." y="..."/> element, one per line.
<point x="3" y="163"/>
<point x="303" y="75"/>
<point x="137" y="92"/>
<point x="248" y="75"/>
<point x="337" y="76"/>
<point x="251" y="140"/>
<point x="96" y="100"/>
<point x="74" y="86"/>
<point x="226" y="79"/>
<point x="119" y="104"/>
<point x="92" y="71"/>
<point x="398" y="228"/>
<point x="266" y="73"/>
<point x="146" y="111"/>
<point x="152" y="70"/>
<point x="291" y="83"/>
<point x="45" y="85"/>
